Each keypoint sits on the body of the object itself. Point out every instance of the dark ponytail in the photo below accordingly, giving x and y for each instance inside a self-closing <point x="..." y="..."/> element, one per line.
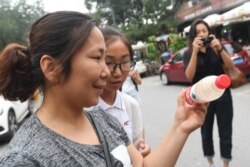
<point x="16" y="78"/>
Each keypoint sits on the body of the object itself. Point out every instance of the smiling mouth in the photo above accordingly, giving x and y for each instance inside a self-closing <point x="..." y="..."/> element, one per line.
<point x="99" y="87"/>
<point x="116" y="82"/>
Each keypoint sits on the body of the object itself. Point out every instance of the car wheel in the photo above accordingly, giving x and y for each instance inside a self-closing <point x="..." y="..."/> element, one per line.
<point x="164" y="79"/>
<point x="13" y="126"/>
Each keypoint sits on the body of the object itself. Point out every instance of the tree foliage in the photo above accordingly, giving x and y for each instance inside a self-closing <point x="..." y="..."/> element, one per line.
<point x="137" y="18"/>
<point x="15" y="19"/>
<point x="177" y="42"/>
<point x="116" y="12"/>
<point x="153" y="52"/>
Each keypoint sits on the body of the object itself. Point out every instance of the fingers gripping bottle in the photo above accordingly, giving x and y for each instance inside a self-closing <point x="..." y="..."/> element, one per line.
<point x="207" y="89"/>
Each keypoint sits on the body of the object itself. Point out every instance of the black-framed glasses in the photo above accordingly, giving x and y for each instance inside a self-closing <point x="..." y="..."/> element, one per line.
<point x="124" y="66"/>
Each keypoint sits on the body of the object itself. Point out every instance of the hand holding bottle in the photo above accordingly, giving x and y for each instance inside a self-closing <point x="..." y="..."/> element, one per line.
<point x="189" y="117"/>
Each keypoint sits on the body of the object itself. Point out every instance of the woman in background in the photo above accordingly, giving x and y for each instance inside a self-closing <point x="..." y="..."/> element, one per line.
<point x="206" y="56"/>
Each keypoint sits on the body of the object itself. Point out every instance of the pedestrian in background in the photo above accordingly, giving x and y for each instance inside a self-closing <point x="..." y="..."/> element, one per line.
<point x="206" y="56"/>
<point x="131" y="85"/>
<point x="66" y="59"/>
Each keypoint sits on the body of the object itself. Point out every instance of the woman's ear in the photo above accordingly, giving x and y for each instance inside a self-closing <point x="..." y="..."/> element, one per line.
<point x="50" y="68"/>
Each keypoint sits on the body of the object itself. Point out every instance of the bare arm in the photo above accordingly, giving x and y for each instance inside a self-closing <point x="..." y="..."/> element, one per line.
<point x="142" y="147"/>
<point x="191" y="68"/>
<point x="136" y="76"/>
<point x="216" y="45"/>
<point x="226" y="59"/>
<point x="135" y="156"/>
<point x="138" y="131"/>
<point x="187" y="119"/>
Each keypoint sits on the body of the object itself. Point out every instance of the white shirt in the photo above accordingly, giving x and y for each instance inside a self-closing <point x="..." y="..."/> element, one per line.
<point x="118" y="110"/>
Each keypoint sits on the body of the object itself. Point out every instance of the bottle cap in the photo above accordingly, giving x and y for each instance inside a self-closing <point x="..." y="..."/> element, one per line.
<point x="223" y="81"/>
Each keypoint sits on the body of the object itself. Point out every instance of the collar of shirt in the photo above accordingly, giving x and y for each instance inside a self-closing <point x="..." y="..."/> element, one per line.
<point x="118" y="103"/>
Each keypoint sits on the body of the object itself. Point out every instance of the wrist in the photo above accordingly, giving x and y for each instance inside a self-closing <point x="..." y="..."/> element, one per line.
<point x="178" y="128"/>
<point x="220" y="50"/>
<point x="181" y="131"/>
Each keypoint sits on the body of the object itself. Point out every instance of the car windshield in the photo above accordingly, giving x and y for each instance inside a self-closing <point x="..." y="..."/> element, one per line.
<point x="178" y="57"/>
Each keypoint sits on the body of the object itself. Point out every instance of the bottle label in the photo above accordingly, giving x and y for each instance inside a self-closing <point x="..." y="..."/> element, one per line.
<point x="190" y="96"/>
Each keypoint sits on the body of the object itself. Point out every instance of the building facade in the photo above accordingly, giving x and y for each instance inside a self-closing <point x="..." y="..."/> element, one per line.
<point x="228" y="18"/>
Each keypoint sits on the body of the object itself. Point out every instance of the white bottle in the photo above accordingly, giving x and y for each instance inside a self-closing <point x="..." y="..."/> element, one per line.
<point x="207" y="89"/>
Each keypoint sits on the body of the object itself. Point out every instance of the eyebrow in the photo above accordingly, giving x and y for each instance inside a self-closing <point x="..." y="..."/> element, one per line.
<point x="102" y="50"/>
<point x="112" y="55"/>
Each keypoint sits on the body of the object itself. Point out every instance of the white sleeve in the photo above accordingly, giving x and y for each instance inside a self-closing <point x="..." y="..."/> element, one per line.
<point x="135" y="115"/>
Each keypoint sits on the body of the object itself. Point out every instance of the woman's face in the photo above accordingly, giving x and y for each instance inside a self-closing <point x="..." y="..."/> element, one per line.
<point x="117" y="52"/>
<point x="201" y="30"/>
<point x="88" y="72"/>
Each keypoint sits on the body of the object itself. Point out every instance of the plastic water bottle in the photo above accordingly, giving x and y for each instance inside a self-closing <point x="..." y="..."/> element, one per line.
<point x="207" y="89"/>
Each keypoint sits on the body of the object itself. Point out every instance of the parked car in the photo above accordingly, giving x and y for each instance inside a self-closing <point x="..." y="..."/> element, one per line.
<point x="173" y="70"/>
<point x="12" y="113"/>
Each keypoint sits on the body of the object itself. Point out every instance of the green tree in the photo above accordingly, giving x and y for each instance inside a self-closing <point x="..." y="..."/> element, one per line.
<point x="16" y="18"/>
<point x="153" y="52"/>
<point x="117" y="12"/>
<point x="137" y="18"/>
<point x="177" y="42"/>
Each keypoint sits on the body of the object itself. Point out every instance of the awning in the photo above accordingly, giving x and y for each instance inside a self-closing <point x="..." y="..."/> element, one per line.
<point x="241" y="12"/>
<point x="211" y="20"/>
<point x="139" y="45"/>
<point x="186" y="29"/>
<point x="162" y="38"/>
<point x="237" y="14"/>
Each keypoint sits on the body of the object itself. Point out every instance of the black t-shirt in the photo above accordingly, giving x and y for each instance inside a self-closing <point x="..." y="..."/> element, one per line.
<point x="208" y="63"/>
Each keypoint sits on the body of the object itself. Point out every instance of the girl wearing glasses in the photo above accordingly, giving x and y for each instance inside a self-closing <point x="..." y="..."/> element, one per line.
<point x="119" y="60"/>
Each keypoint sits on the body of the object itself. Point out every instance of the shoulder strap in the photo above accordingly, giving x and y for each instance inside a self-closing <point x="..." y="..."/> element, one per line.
<point x="102" y="139"/>
<point x="135" y="84"/>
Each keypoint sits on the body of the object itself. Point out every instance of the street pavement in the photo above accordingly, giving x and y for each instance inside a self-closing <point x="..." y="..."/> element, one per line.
<point x="158" y="108"/>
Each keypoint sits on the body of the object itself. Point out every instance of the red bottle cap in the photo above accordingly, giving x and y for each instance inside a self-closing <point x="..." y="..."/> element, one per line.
<point x="223" y="81"/>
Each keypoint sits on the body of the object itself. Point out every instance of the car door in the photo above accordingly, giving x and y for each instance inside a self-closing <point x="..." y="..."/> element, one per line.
<point x="242" y="63"/>
<point x="177" y="71"/>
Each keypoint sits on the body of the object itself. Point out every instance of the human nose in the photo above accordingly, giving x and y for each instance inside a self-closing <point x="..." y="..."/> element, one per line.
<point x="203" y="35"/>
<point x="117" y="66"/>
<point x="117" y="70"/>
<point x="105" y="73"/>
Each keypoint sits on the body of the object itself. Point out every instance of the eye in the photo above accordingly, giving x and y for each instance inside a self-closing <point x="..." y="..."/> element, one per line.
<point x="98" y="57"/>
<point x="109" y="63"/>
<point x="125" y="62"/>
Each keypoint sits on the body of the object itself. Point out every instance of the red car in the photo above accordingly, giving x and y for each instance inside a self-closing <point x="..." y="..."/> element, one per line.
<point x="173" y="69"/>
